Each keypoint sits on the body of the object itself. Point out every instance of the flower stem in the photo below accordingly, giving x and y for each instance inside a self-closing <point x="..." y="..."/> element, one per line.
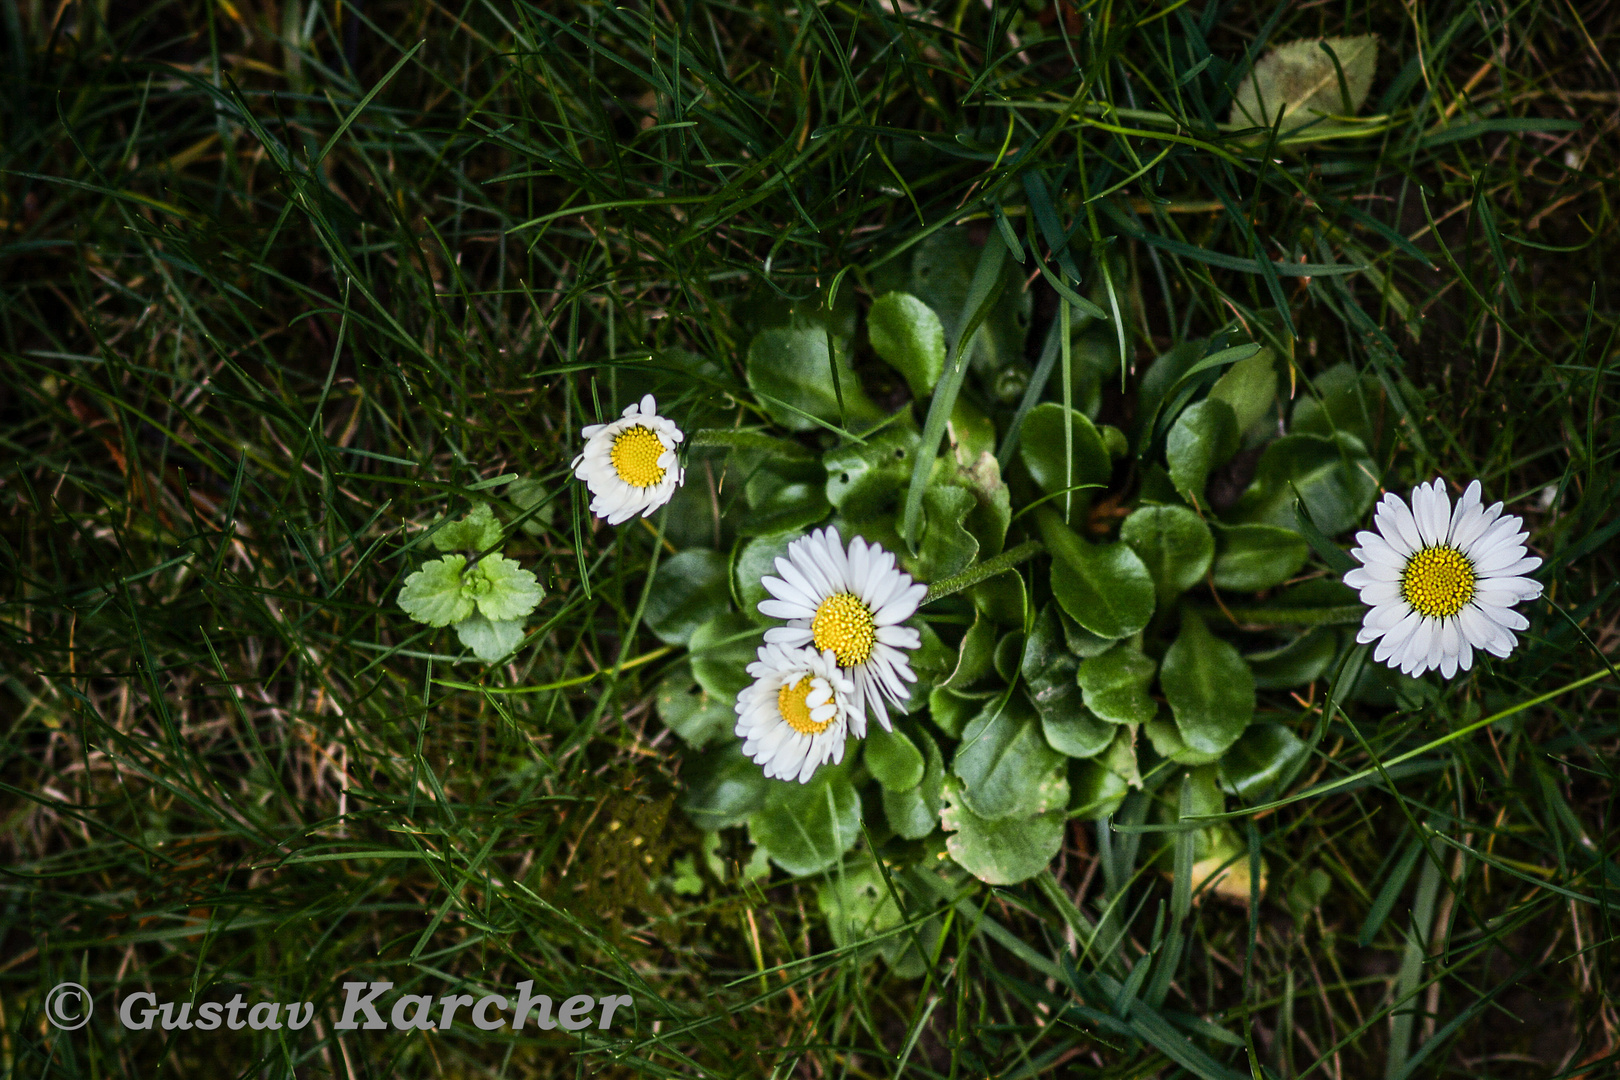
<point x="749" y="440"/>
<point x="1336" y="615"/>
<point x="984" y="571"/>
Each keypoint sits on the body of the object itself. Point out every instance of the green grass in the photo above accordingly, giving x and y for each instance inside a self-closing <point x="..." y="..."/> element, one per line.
<point x="281" y="284"/>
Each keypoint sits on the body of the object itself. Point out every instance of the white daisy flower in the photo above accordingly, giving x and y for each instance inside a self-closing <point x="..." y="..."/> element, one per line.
<point x="1441" y="582"/>
<point x="851" y="604"/>
<point x="795" y="714"/>
<point x="630" y="464"/>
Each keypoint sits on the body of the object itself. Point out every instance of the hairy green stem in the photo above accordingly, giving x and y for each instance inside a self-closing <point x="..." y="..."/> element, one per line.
<point x="749" y="440"/>
<point x="1336" y="615"/>
<point x="983" y="571"/>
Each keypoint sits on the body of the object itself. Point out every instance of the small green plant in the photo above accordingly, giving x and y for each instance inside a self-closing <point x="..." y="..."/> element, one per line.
<point x="474" y="588"/>
<point x="1115" y="616"/>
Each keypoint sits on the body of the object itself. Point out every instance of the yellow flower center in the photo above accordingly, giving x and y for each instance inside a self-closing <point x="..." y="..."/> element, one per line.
<point x="790" y="702"/>
<point x="635" y="455"/>
<point x="1438" y="581"/>
<point x="844" y="625"/>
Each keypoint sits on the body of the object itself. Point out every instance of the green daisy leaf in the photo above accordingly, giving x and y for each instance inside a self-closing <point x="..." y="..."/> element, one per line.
<point x="434" y="594"/>
<point x="489" y="639"/>
<point x="478" y="531"/>
<point x="507" y="591"/>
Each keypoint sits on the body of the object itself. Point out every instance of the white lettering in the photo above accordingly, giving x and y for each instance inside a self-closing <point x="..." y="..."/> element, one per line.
<point x="479" y="1012"/>
<point x="450" y="1003"/>
<point x="170" y="1023"/>
<point x="140" y="1011"/>
<point x="575" y="1008"/>
<point x="270" y="1020"/>
<point x="610" y="1005"/>
<point x="422" y="1021"/>
<point x="526" y="1001"/>
<point x="353" y="1003"/>
<point x="126" y="1011"/>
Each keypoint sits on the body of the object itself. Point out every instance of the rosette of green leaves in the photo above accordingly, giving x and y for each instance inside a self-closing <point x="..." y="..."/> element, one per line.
<point x="480" y="592"/>
<point x="1141" y="646"/>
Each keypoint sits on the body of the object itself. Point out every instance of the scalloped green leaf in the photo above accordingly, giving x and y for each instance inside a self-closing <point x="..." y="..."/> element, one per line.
<point x="1258" y="758"/>
<point x="1209" y="687"/>
<point x="1009" y="651"/>
<point x="1040" y="448"/>
<point x="791" y="369"/>
<point x="1300" y="661"/>
<point x="721" y="650"/>
<point x="859" y="906"/>
<point x="1073" y="731"/>
<point x="433" y="594"/>
<point x="975" y="655"/>
<point x="502" y="589"/>
<point x="914" y="813"/>
<point x="1114" y="686"/>
<point x="1167" y="742"/>
<point x="970" y="433"/>
<point x="723" y="787"/>
<point x="951" y="711"/>
<point x="947" y="546"/>
<point x="1173" y="543"/>
<point x="690" y="711"/>
<point x="1335" y="476"/>
<point x="1048" y="672"/>
<point x="806" y="827"/>
<point x="1202" y="439"/>
<point x="1103" y="587"/>
<point x="1120" y="757"/>
<point x="1001" y="599"/>
<point x="1009" y="850"/>
<point x="931" y="661"/>
<point x="892" y="759"/>
<point x="490" y="639"/>
<point x="1299" y="82"/>
<point x="989" y="519"/>
<point x="1356" y="404"/>
<point x="1001" y="760"/>
<point x="940" y="273"/>
<point x="1095" y="791"/>
<point x="865" y="479"/>
<point x="907" y="335"/>
<point x="755" y="562"/>
<point x="1255" y="557"/>
<point x="688" y="590"/>
<point x="1249" y="387"/>
<point x="478" y="531"/>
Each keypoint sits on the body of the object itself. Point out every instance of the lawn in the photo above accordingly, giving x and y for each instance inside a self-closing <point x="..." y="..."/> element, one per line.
<point x="423" y="652"/>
